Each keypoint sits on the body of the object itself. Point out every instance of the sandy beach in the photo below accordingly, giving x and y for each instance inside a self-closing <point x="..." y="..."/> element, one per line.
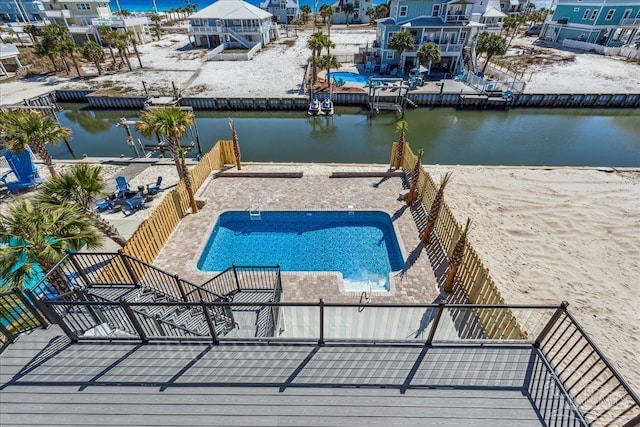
<point x="549" y="235"/>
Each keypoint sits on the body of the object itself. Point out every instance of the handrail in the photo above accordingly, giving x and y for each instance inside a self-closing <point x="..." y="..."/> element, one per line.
<point x="602" y="357"/>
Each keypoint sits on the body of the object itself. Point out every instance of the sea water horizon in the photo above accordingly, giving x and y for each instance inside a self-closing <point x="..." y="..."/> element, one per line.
<point x="165" y="5"/>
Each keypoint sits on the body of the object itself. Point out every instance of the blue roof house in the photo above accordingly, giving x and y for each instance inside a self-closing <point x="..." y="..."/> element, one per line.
<point x="600" y="22"/>
<point x="448" y="24"/>
<point x="284" y="11"/>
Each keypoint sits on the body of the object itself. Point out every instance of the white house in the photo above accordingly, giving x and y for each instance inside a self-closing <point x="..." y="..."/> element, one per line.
<point x="233" y="23"/>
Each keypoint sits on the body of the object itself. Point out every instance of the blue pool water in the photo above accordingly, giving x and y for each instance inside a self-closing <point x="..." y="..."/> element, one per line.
<point x="360" y="245"/>
<point x="349" y="77"/>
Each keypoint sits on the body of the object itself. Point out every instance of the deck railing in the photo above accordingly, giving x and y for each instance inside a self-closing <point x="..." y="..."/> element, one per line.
<point x="582" y="376"/>
<point x="17" y="315"/>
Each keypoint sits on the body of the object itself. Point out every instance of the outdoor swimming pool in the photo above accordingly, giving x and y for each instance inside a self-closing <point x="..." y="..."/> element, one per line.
<point x="349" y="77"/>
<point x="362" y="245"/>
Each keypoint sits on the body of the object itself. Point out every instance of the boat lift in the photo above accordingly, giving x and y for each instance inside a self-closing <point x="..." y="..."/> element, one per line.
<point x="388" y="93"/>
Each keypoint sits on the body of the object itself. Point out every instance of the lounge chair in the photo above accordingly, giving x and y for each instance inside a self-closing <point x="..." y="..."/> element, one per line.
<point x="129" y="206"/>
<point x="104" y="205"/>
<point x="154" y="187"/>
<point x="22" y="168"/>
<point x="121" y="184"/>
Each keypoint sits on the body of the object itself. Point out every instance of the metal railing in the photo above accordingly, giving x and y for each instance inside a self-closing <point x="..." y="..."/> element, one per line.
<point x="244" y="278"/>
<point x="17" y="315"/>
<point x="595" y="386"/>
<point x="582" y="375"/>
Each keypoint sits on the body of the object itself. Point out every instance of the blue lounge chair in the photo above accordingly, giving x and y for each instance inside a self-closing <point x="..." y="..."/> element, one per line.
<point x="104" y="205"/>
<point x="121" y="184"/>
<point x="129" y="206"/>
<point x="23" y="169"/>
<point x="154" y="188"/>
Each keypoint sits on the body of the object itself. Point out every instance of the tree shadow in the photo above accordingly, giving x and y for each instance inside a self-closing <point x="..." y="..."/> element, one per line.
<point x="388" y="174"/>
<point x="397" y="214"/>
<point x="411" y="259"/>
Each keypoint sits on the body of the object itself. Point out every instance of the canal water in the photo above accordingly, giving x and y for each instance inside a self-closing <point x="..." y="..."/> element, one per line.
<point x="545" y="137"/>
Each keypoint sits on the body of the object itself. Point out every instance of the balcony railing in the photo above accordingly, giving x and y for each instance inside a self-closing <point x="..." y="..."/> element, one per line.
<point x="219" y="29"/>
<point x="630" y="22"/>
<point x="57" y="13"/>
<point x="457" y="18"/>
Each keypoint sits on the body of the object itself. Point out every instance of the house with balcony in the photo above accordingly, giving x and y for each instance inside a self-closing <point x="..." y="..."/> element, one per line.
<point x="284" y="11"/>
<point x="359" y="15"/>
<point x="77" y="16"/>
<point x="489" y="13"/>
<point x="27" y="11"/>
<point x="234" y="24"/>
<point x="594" y="21"/>
<point x="446" y="23"/>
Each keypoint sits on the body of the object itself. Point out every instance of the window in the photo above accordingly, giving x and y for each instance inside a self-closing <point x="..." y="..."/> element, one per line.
<point x="436" y="10"/>
<point x="627" y="13"/>
<point x="66" y="7"/>
<point x="638" y="14"/>
<point x="576" y="9"/>
<point x="609" y="15"/>
<point x="586" y="14"/>
<point x="403" y="10"/>
<point x="594" y="14"/>
<point x="81" y="6"/>
<point x="390" y="55"/>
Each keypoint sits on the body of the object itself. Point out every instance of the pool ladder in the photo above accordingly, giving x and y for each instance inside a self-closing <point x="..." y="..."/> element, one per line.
<point x="365" y="298"/>
<point x="255" y="212"/>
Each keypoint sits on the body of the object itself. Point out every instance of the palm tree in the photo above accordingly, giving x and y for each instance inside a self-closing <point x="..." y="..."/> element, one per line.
<point x="68" y="48"/>
<point x="401" y="129"/>
<point x="382" y="11"/>
<point x="429" y="53"/>
<point x="435" y="207"/>
<point x="491" y="45"/>
<point x="40" y="237"/>
<point x="316" y="42"/>
<point x="172" y="123"/>
<point x="347" y="9"/>
<point x="326" y="12"/>
<point x="32" y="30"/>
<point x="29" y="127"/>
<point x="79" y="187"/>
<point x="328" y="62"/>
<point x="108" y="36"/>
<point x="508" y="24"/>
<point x="131" y="38"/>
<point x="122" y="43"/>
<point x="306" y="12"/>
<point x="456" y="258"/>
<point x="92" y="51"/>
<point x="415" y="175"/>
<point x="156" y="19"/>
<point x="371" y="14"/>
<point x="401" y="42"/>
<point x="236" y="144"/>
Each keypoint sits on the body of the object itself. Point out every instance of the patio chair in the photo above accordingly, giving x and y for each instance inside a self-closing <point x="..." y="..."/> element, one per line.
<point x="104" y="205"/>
<point x="154" y="187"/>
<point x="25" y="173"/>
<point x="121" y="184"/>
<point x="129" y="206"/>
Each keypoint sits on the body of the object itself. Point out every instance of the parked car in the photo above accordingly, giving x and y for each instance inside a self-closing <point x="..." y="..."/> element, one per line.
<point x="534" y="30"/>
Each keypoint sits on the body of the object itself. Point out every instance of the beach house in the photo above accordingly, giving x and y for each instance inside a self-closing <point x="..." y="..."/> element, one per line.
<point x="594" y="21"/>
<point x="232" y="23"/>
<point x="284" y="11"/>
<point x="358" y="11"/>
<point x="448" y="24"/>
<point x="83" y="18"/>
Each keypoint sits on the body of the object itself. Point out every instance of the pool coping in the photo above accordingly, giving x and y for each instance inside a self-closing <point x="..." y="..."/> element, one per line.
<point x="341" y="286"/>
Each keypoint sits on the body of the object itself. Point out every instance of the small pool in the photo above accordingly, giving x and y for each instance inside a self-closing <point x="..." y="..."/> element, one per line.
<point x="349" y="77"/>
<point x="362" y="245"/>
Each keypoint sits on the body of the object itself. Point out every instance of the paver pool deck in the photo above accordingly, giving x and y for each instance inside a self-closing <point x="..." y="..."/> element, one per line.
<point x="314" y="191"/>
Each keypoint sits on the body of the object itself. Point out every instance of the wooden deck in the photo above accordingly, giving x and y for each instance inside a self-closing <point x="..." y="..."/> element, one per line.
<point x="46" y="380"/>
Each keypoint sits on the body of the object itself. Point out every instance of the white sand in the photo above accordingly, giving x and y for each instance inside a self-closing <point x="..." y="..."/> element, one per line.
<point x="278" y="70"/>
<point x="561" y="234"/>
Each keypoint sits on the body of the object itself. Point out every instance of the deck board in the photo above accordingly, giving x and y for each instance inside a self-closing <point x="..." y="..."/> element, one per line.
<point x="45" y="380"/>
